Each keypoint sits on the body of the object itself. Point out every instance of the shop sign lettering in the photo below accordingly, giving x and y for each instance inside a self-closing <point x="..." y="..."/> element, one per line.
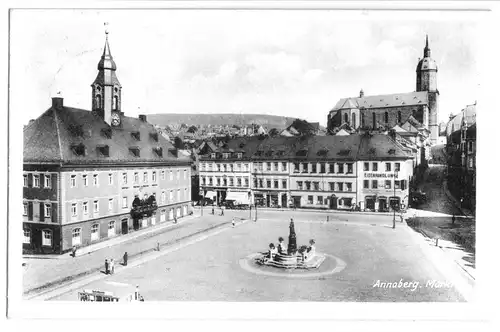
<point x="381" y="175"/>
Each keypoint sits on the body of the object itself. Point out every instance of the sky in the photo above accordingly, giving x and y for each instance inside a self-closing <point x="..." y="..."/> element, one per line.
<point x="291" y="63"/>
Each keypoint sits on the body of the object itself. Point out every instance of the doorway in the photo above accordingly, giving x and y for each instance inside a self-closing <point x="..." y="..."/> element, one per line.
<point x="124" y="226"/>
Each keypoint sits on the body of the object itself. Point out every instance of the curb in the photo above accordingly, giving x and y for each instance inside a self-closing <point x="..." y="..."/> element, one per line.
<point x="328" y="211"/>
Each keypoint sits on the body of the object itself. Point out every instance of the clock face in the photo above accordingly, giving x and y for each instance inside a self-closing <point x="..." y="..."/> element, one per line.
<point x="115" y="119"/>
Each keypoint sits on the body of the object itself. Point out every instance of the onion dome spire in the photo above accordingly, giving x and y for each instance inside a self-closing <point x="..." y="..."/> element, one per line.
<point x="107" y="61"/>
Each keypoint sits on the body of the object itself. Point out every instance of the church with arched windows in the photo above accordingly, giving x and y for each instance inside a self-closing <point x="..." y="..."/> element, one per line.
<point x="411" y="110"/>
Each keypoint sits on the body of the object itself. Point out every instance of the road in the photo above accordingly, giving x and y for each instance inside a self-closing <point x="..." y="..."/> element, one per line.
<point x="206" y="270"/>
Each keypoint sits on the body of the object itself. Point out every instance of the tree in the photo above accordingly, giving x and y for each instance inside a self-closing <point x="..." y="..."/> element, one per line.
<point x="273" y="132"/>
<point x="303" y="127"/>
<point x="192" y="129"/>
<point x="178" y="143"/>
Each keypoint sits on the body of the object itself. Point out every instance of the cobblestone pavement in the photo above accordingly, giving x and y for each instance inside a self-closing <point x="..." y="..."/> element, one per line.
<point x="209" y="270"/>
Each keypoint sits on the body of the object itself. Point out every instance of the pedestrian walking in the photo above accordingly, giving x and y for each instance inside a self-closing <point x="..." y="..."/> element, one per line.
<point x="136" y="293"/>
<point x="106" y="266"/>
<point x="234" y="223"/>
<point x="222" y="210"/>
<point x="112" y="266"/>
<point x="213" y="209"/>
<point x="125" y="259"/>
<point x="73" y="251"/>
<point x="175" y="220"/>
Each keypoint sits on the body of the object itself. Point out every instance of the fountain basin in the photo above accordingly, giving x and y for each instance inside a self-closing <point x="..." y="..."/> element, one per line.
<point x="291" y="261"/>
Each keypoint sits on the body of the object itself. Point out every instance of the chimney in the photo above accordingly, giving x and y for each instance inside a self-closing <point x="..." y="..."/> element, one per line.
<point x="57" y="102"/>
<point x="142" y="117"/>
<point x="361" y="93"/>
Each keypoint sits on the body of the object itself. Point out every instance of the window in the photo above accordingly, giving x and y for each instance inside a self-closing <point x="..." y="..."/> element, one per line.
<point x="268" y="166"/>
<point x="96" y="207"/>
<point x="163" y="216"/>
<point x="386" y="117"/>
<point x="145" y="177"/>
<point x="283" y="184"/>
<point x="340" y="186"/>
<point x="366" y="167"/>
<point x="25" y="180"/>
<point x="246" y="167"/>
<point x="36" y="181"/>
<point x="283" y="166"/>
<point x="276" y="166"/>
<point x="178" y="195"/>
<point x="374" y="120"/>
<point x="110" y="178"/>
<point x="316" y="185"/>
<point x="94" y="232"/>
<point x="471" y="162"/>
<point x="76" y="236"/>
<point x="85" y="207"/>
<point x="374" y="184"/>
<point x="136" y="177"/>
<point x="305" y="167"/>
<point x="331" y="168"/>
<point x="353" y="123"/>
<point x="171" y="195"/>
<point x="268" y="184"/>
<point x="73" y="210"/>
<point x="308" y="185"/>
<point x="136" y="135"/>
<point x="85" y="180"/>
<point x="397" y="167"/>
<point x="231" y="182"/>
<point x="276" y="184"/>
<point x="332" y="186"/>
<point x="348" y="186"/>
<point x="162" y="175"/>
<point x="231" y="169"/>
<point x="210" y="181"/>
<point x="387" y="167"/>
<point x="135" y="152"/>
<point x="218" y="181"/>
<point x="314" y="168"/>
<point x="218" y="167"/>
<point x="296" y="167"/>
<point x="204" y="181"/>
<point x="396" y="184"/>
<point x="469" y="147"/>
<point x="178" y="174"/>
<point x="110" y="204"/>
<point x="387" y="184"/>
<point x="346" y="118"/>
<point x="322" y="168"/>
<point x="124" y="178"/>
<point x="171" y="176"/>
<point x="399" y="116"/>
<point x="25" y="208"/>
<point x="320" y="200"/>
<point x="349" y="168"/>
<point x="27" y="235"/>
<point x="240" y="155"/>
<point x="310" y="199"/>
<point x="340" y="168"/>
<point x="111" y="228"/>
<point x="239" y="182"/>
<point x="366" y="184"/>
<point x="246" y="182"/>
<point x="255" y="183"/>
<point x="46" y="238"/>
<point x="403" y="184"/>
<point x="299" y="185"/>
<point x="375" y="167"/>
<point x="47" y="181"/>
<point x="212" y="155"/>
<point x="124" y="202"/>
<point x="261" y="183"/>
<point x="185" y="174"/>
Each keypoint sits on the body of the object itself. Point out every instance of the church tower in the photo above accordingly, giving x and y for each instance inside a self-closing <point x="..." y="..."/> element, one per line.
<point x="107" y="90"/>
<point x="427" y="81"/>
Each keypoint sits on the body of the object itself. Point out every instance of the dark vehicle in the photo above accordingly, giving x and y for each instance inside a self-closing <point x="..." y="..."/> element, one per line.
<point x="229" y="204"/>
<point x="242" y="206"/>
<point x="418" y="198"/>
<point x="204" y="202"/>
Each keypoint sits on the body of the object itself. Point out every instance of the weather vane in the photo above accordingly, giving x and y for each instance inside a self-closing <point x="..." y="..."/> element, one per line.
<point x="106" y="25"/>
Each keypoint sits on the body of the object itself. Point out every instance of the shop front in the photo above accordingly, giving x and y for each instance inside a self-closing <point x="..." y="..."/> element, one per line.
<point x="395" y="203"/>
<point x="370" y="203"/>
<point x="332" y="202"/>
<point x="382" y="204"/>
<point x="345" y="203"/>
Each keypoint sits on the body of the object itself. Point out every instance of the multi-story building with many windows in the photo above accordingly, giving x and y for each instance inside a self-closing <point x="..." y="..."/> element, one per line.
<point x="368" y="172"/>
<point x="93" y="175"/>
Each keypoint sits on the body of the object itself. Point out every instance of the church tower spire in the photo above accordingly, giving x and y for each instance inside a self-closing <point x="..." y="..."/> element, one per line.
<point x="427" y="50"/>
<point x="106" y="89"/>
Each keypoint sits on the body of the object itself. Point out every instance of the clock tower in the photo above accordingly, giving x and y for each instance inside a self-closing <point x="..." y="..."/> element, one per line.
<point x="107" y="90"/>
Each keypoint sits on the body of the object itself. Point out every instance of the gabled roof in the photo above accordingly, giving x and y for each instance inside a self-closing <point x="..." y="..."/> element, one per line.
<point x="468" y="114"/>
<point x="382" y="101"/>
<point x="52" y="137"/>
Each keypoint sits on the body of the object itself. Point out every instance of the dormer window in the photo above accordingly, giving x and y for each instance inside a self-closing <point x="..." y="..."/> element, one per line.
<point x="344" y="152"/>
<point x="76" y="130"/>
<point x="301" y="153"/>
<point x="79" y="149"/>
<point x="269" y="153"/>
<point x="212" y="155"/>
<point x="106" y="133"/>
<point x="136" y="135"/>
<point x="225" y="155"/>
<point x="158" y="151"/>
<point x="103" y="150"/>
<point x="323" y="152"/>
<point x="154" y="136"/>
<point x="240" y="155"/>
<point x="258" y="153"/>
<point x="242" y="144"/>
<point x="372" y="151"/>
<point x="392" y="151"/>
<point x="135" y="152"/>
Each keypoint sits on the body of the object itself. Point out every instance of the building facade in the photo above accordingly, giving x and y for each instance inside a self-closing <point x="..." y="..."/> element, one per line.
<point x="362" y="171"/>
<point x="93" y="175"/>
<point x="386" y="111"/>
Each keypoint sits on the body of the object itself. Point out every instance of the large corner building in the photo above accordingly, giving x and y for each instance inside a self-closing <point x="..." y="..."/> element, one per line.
<point x="388" y="111"/>
<point x="93" y="175"/>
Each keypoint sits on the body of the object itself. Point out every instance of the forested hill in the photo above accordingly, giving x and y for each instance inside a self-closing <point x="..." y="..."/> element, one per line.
<point x="270" y="121"/>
